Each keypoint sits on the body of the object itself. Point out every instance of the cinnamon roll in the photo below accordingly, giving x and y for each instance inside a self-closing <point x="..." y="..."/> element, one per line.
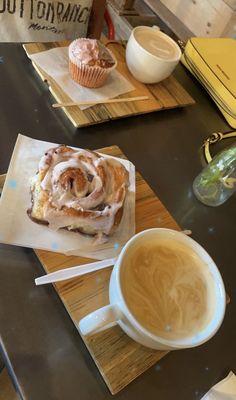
<point x="78" y="190"/>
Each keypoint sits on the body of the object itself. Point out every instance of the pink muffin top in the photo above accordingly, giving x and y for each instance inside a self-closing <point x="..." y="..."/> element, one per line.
<point x="90" y="52"/>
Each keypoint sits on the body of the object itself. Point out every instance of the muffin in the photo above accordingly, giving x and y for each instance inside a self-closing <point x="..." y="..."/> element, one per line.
<point x="90" y="62"/>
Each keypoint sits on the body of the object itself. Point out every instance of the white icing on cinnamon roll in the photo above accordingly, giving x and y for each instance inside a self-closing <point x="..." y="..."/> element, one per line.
<point x="78" y="190"/>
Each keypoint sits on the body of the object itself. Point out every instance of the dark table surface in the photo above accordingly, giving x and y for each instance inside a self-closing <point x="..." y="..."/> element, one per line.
<point x="41" y="347"/>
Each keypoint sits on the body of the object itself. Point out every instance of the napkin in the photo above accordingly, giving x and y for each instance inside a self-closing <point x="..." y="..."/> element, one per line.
<point x="17" y="228"/>
<point x="223" y="390"/>
<point x="55" y="63"/>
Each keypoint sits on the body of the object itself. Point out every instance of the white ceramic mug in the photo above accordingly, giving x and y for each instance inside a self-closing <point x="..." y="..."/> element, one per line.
<point x="145" y="66"/>
<point x="117" y="311"/>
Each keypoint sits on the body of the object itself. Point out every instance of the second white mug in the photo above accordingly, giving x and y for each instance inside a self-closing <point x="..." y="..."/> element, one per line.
<point x="151" y="55"/>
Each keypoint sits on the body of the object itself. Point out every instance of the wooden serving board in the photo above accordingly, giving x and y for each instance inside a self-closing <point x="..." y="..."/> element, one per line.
<point x="118" y="358"/>
<point x="166" y="94"/>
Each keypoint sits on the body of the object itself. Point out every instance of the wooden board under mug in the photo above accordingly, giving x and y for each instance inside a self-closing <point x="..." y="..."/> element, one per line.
<point x="166" y="94"/>
<point x="119" y="359"/>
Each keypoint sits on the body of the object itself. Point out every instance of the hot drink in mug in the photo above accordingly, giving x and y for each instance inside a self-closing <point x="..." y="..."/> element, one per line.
<point x="151" y="55"/>
<point x="165" y="292"/>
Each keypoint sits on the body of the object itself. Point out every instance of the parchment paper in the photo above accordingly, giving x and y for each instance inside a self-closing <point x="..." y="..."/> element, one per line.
<point x="55" y="63"/>
<point x="223" y="390"/>
<point x="17" y="228"/>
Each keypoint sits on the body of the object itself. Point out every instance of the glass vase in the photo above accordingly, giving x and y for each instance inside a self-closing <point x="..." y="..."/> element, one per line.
<point x="217" y="181"/>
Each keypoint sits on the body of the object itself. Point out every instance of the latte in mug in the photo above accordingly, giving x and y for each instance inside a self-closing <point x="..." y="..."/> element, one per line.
<point x="151" y="55"/>
<point x="168" y="288"/>
<point x="165" y="292"/>
<point x="156" y="45"/>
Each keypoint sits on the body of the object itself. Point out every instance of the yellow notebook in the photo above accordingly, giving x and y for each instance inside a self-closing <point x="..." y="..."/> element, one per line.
<point x="213" y="62"/>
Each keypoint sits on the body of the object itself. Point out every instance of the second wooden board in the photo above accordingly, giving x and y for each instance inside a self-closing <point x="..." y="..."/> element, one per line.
<point x="119" y="359"/>
<point x="166" y="94"/>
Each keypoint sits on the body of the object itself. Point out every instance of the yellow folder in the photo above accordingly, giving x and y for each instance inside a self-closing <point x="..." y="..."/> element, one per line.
<point x="213" y="62"/>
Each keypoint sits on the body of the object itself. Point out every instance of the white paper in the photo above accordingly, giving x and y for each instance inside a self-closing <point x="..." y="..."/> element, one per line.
<point x="55" y="63"/>
<point x="223" y="390"/>
<point x="17" y="228"/>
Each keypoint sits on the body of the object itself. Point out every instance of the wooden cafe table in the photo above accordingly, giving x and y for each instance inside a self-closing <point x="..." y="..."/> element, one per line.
<point x="40" y="346"/>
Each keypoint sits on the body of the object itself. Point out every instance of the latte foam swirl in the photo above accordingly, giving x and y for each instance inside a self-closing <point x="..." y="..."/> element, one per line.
<point x="166" y="290"/>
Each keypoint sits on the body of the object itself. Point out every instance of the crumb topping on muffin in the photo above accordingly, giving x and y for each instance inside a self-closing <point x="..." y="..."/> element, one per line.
<point x="90" y="52"/>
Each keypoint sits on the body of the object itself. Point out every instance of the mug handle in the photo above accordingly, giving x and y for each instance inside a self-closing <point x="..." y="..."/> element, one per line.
<point x="99" y="320"/>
